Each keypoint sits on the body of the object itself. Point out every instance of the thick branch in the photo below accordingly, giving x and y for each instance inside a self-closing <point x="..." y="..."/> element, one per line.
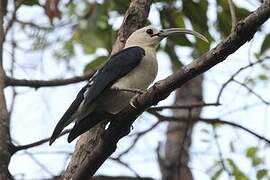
<point x="120" y="127"/>
<point x="46" y="83"/>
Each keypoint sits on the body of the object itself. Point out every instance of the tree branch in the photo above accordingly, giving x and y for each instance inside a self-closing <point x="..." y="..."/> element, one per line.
<point x="188" y="106"/>
<point x="46" y="83"/>
<point x="211" y="121"/>
<point x="37" y="143"/>
<point x="120" y="126"/>
<point x="237" y="73"/>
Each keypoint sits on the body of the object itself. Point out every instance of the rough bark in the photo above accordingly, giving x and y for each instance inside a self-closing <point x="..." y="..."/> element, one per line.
<point x="120" y="126"/>
<point x="85" y="149"/>
<point x="5" y="142"/>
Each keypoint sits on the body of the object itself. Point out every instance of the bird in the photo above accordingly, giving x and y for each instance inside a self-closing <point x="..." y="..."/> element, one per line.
<point x="134" y="67"/>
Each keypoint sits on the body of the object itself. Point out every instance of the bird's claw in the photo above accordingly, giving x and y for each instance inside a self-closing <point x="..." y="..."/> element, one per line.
<point x="132" y="101"/>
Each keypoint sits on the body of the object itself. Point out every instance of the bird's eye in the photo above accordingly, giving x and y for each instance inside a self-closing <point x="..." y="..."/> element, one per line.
<point x="149" y="31"/>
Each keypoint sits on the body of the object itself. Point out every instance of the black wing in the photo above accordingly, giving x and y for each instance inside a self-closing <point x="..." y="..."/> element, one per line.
<point x="118" y="66"/>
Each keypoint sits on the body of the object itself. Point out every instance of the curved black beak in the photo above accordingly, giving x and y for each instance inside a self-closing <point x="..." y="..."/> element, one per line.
<point x="167" y="32"/>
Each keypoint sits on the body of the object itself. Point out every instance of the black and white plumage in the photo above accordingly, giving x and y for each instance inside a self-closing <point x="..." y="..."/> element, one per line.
<point x="117" y="66"/>
<point x="134" y="67"/>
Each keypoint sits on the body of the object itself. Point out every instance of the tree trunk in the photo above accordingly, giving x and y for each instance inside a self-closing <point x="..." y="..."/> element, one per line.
<point x="179" y="133"/>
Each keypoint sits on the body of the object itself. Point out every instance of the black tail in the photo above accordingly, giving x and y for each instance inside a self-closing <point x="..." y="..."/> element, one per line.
<point x="67" y="117"/>
<point x="83" y="125"/>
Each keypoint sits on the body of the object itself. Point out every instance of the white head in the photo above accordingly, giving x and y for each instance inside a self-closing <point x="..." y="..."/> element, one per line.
<point x="150" y="36"/>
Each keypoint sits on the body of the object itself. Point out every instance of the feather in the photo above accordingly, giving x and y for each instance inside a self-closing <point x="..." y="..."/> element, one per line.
<point x="117" y="66"/>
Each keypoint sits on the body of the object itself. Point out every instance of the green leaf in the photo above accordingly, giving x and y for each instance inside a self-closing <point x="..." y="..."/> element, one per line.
<point x="30" y="2"/>
<point x="173" y="17"/>
<point x="224" y="16"/>
<point x="232" y="146"/>
<point x="117" y="5"/>
<point x="261" y="173"/>
<point x="95" y="64"/>
<point x="224" y="23"/>
<point x="196" y="12"/>
<point x="251" y="152"/>
<point x="5" y="3"/>
<point x="169" y="49"/>
<point x="263" y="77"/>
<point x="205" y="140"/>
<point x="241" y="13"/>
<point x="265" y="45"/>
<point x="239" y="175"/>
<point x="217" y="173"/>
<point x="256" y="161"/>
<point x="94" y="31"/>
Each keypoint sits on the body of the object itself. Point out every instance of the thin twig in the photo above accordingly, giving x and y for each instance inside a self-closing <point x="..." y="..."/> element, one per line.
<point x="252" y="92"/>
<point x="46" y="83"/>
<point x="188" y="106"/>
<point x="17" y="4"/>
<point x="235" y="74"/>
<point x="33" y="25"/>
<point x="222" y="161"/>
<point x="210" y="121"/>
<point x="12" y="69"/>
<point x="138" y="136"/>
<point x="40" y="164"/>
<point x="118" y="160"/>
<point x="37" y="143"/>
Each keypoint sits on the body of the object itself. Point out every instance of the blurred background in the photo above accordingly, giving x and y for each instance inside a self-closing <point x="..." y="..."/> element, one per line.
<point x="216" y="126"/>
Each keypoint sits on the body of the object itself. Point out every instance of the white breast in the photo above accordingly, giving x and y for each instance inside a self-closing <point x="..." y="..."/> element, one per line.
<point x="142" y="75"/>
<point x="139" y="78"/>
